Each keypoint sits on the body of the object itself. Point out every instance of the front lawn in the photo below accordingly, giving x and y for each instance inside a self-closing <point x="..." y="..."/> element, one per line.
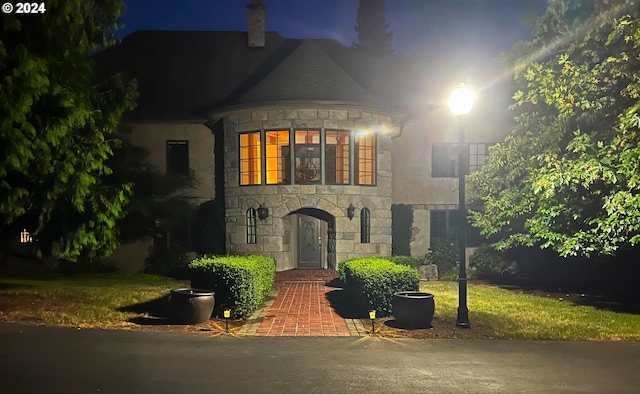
<point x="514" y="315"/>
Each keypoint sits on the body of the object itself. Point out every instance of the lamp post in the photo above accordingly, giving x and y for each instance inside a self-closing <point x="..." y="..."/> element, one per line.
<point x="460" y="103"/>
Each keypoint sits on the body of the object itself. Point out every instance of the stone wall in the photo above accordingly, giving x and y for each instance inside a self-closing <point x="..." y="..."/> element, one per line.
<point x="276" y="234"/>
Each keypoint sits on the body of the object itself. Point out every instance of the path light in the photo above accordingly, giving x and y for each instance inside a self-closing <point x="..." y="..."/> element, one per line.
<point x="227" y="315"/>
<point x="460" y="103"/>
<point x="372" y="316"/>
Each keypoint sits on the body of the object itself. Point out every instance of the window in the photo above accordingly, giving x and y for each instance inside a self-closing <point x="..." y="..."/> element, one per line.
<point x="250" y="170"/>
<point x="347" y="159"/>
<point x="178" y="157"/>
<point x="365" y="226"/>
<point x="365" y="159"/>
<point x="477" y="156"/>
<point x="251" y="226"/>
<point x="278" y="167"/>
<point x="337" y="158"/>
<point x="444" y="159"/>
<point x="444" y="225"/>
<point x="307" y="156"/>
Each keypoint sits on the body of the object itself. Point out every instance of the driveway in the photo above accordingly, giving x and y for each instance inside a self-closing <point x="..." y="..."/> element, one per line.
<point x="67" y="360"/>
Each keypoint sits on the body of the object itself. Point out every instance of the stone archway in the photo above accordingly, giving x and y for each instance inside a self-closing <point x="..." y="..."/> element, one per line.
<point x="315" y="239"/>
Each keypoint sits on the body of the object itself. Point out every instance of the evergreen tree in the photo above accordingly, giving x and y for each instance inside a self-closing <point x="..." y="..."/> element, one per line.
<point x="371" y="26"/>
<point x="568" y="176"/>
<point x="58" y="128"/>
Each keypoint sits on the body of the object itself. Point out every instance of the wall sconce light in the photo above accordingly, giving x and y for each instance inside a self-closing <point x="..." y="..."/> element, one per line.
<point x="372" y="316"/>
<point x="227" y="315"/>
<point x="25" y="237"/>
<point x="263" y="212"/>
<point x="351" y="210"/>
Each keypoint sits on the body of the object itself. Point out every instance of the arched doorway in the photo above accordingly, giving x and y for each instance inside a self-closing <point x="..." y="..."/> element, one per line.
<point x="315" y="239"/>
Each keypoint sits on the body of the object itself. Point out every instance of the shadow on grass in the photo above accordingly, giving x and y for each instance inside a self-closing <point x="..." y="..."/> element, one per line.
<point x="605" y="298"/>
<point x="5" y="286"/>
<point x="157" y="312"/>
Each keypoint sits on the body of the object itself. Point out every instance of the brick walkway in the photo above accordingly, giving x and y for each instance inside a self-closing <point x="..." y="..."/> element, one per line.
<point x="301" y="308"/>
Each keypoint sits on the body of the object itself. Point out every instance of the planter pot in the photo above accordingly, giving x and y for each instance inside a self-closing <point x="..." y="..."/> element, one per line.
<point x="191" y="306"/>
<point x="413" y="309"/>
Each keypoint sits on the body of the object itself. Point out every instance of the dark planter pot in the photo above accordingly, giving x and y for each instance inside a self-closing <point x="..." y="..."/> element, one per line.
<point x="413" y="309"/>
<point x="191" y="306"/>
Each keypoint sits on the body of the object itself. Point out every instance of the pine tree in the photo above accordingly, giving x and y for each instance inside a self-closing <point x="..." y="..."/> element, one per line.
<point x="371" y="26"/>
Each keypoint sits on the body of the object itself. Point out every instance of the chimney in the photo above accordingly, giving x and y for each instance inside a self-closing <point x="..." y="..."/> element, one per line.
<point x="256" y="19"/>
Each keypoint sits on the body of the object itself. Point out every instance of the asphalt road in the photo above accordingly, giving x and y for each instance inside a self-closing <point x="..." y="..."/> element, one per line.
<point x="64" y="360"/>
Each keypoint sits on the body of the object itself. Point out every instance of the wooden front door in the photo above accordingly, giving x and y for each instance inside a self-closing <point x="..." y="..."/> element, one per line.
<point x="310" y="242"/>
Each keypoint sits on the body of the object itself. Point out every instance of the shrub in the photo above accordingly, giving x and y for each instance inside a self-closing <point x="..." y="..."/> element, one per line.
<point x="444" y="253"/>
<point x="489" y="262"/>
<point x="407" y="260"/>
<point x="240" y="283"/>
<point x="371" y="282"/>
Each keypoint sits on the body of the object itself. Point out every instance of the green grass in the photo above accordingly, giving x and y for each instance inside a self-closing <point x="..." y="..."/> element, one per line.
<point x="85" y="300"/>
<point x="514" y="315"/>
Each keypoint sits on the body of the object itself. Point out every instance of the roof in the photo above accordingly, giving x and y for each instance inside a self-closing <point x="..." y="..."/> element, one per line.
<point x="185" y="74"/>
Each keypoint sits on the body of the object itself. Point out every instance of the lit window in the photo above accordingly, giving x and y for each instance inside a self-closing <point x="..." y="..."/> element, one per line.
<point x="365" y="226"/>
<point x="277" y="156"/>
<point x="178" y="157"/>
<point x="307" y="145"/>
<point x="365" y="159"/>
<point x="337" y="158"/>
<point x="250" y="171"/>
<point x="251" y="226"/>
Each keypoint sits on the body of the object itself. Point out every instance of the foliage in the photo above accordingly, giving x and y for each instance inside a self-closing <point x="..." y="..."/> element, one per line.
<point x="488" y="262"/>
<point x="209" y="228"/>
<point x="371" y="26"/>
<point x="401" y="223"/>
<point x="240" y="283"/>
<point x="568" y="177"/>
<point x="409" y="261"/>
<point x="371" y="281"/>
<point x="154" y="194"/>
<point x="445" y="254"/>
<point x="58" y="129"/>
<point x="171" y="262"/>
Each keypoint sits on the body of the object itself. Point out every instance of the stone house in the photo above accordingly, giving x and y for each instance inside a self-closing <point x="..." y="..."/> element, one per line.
<point x="307" y="143"/>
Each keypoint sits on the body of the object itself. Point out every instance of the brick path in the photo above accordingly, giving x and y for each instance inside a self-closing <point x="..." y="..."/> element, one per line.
<point x="301" y="308"/>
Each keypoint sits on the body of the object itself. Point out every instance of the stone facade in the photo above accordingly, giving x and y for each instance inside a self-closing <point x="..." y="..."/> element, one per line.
<point x="276" y="236"/>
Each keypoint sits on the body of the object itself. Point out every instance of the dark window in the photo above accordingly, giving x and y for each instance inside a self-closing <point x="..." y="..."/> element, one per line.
<point x="444" y="225"/>
<point x="178" y="157"/>
<point x="444" y="161"/>
<point x="365" y="159"/>
<point x="477" y="156"/>
<point x="251" y="226"/>
<point x="365" y="226"/>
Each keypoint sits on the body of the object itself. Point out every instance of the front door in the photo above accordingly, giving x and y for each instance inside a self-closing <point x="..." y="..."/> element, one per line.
<point x="310" y="242"/>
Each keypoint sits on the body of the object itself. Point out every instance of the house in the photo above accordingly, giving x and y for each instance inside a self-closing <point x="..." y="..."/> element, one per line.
<point x="307" y="143"/>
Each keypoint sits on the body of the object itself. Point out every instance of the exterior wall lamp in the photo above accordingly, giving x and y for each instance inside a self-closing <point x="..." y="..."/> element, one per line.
<point x="351" y="210"/>
<point x="263" y="212"/>
<point x="25" y="237"/>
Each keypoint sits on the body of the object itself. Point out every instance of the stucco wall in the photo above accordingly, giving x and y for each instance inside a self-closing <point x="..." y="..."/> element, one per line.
<point x="411" y="162"/>
<point x="276" y="234"/>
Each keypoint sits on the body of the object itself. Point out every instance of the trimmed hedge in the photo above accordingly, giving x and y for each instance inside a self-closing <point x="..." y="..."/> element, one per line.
<point x="371" y="281"/>
<point x="408" y="261"/>
<point x="240" y="283"/>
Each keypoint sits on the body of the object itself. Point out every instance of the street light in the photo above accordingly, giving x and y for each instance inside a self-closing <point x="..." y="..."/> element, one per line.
<point x="460" y="103"/>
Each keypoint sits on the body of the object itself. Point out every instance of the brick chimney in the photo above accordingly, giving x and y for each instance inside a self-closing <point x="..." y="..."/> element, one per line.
<point x="256" y="19"/>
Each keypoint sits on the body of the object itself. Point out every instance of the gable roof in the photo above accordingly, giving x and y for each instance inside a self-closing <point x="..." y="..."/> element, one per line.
<point x="183" y="75"/>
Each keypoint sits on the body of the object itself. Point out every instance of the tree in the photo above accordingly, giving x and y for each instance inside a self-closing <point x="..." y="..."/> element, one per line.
<point x="58" y="129"/>
<point x="568" y="176"/>
<point x="371" y="26"/>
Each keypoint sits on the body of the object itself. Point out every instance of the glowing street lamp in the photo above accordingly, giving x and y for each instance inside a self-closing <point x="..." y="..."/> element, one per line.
<point x="460" y="103"/>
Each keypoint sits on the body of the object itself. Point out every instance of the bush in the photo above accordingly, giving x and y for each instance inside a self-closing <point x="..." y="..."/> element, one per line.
<point x="444" y="253"/>
<point x="401" y="223"/>
<point x="240" y="283"/>
<point x="371" y="282"/>
<point x="407" y="260"/>
<point x="489" y="262"/>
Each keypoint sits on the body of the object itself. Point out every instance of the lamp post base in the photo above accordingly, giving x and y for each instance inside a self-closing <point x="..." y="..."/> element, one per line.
<point x="463" y="318"/>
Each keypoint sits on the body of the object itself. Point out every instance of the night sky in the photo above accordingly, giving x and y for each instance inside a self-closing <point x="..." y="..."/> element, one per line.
<point x="482" y="28"/>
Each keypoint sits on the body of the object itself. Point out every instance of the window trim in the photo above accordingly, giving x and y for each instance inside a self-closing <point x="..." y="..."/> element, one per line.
<point x="251" y="217"/>
<point x="261" y="159"/>
<point x="365" y="226"/>
<point x="355" y="181"/>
